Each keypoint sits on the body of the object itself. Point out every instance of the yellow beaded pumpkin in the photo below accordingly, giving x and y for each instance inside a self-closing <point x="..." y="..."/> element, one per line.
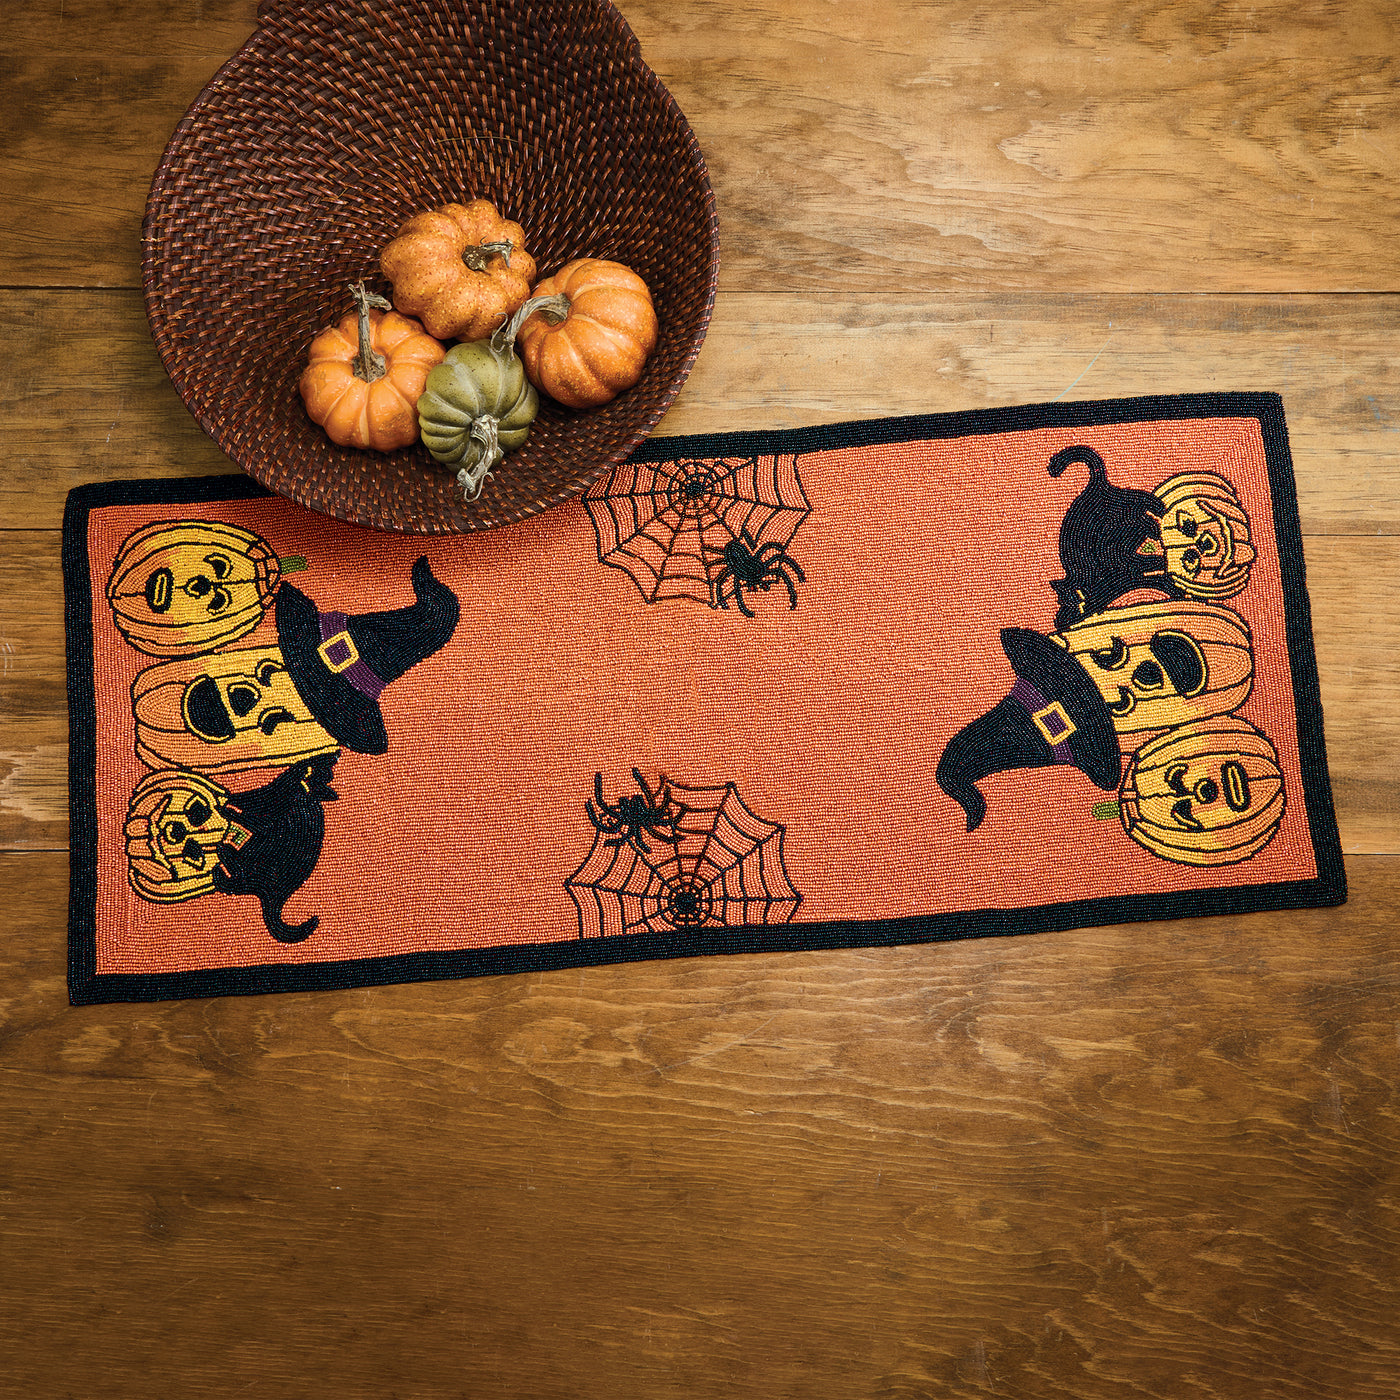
<point x="1209" y="793"/>
<point x="178" y="588"/>
<point x="235" y="711"/>
<point x="1158" y="665"/>
<point x="175" y="822"/>
<point x="1205" y="535"/>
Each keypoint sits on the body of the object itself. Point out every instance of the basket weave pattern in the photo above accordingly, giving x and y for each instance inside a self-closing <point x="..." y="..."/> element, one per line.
<point x="336" y="122"/>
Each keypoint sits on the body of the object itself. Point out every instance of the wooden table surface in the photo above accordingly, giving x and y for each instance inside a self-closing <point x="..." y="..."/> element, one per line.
<point x="1148" y="1161"/>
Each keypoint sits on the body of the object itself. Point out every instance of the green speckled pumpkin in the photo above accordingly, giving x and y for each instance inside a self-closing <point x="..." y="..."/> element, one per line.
<point x="476" y="406"/>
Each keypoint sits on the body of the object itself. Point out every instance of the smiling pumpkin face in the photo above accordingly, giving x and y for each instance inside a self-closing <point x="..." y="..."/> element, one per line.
<point x="183" y="587"/>
<point x="235" y="711"/>
<point x="1158" y="665"/>
<point x="1209" y="793"/>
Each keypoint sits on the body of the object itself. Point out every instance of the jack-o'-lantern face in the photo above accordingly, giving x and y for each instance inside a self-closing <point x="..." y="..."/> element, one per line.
<point x="174" y="825"/>
<point x="1205" y="535"/>
<point x="1158" y="665"/>
<point x="188" y="586"/>
<point x="230" y="712"/>
<point x="1209" y="793"/>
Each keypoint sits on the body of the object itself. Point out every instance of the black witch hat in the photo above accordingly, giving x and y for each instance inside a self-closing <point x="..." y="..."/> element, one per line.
<point x="1053" y="714"/>
<point x="274" y="841"/>
<point x="340" y="664"/>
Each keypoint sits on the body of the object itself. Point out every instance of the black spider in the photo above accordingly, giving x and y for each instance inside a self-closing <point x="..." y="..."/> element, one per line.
<point x="749" y="566"/>
<point x="633" y="814"/>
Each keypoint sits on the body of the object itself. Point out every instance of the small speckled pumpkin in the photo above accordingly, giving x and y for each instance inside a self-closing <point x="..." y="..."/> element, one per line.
<point x="461" y="269"/>
<point x="590" y="332"/>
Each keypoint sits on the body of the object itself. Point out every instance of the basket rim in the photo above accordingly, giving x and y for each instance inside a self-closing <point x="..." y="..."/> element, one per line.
<point x="629" y="52"/>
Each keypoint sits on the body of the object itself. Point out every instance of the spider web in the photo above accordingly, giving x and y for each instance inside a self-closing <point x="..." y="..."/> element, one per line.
<point x="666" y="523"/>
<point x="724" y="869"/>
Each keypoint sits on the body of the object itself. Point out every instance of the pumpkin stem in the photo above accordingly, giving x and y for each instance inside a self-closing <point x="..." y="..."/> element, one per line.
<point x="474" y="473"/>
<point x="553" y="308"/>
<point x="1105" y="811"/>
<point x="294" y="563"/>
<point x="478" y="255"/>
<point x="369" y="364"/>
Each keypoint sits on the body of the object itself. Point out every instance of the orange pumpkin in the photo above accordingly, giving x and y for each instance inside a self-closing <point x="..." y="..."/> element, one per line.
<point x="590" y="333"/>
<point x="461" y="269"/>
<point x="366" y="373"/>
<point x="1209" y="793"/>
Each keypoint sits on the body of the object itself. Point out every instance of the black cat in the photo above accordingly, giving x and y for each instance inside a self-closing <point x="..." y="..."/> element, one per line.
<point x="276" y="833"/>
<point x="1110" y="541"/>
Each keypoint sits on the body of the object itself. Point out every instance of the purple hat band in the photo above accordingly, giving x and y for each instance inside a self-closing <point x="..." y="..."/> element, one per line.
<point x="1049" y="717"/>
<point x="342" y="657"/>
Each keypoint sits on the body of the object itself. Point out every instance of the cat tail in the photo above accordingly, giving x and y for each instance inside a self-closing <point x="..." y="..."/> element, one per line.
<point x="1098" y="473"/>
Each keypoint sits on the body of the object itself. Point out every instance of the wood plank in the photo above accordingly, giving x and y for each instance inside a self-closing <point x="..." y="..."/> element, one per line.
<point x="1356" y="620"/>
<point x="1111" y="147"/>
<point x="88" y="399"/>
<point x="95" y="93"/>
<point x="1105" y="146"/>
<point x="1152" y="1160"/>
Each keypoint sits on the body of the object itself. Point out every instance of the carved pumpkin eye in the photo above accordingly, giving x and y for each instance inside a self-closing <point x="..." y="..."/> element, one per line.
<point x="265" y="671"/>
<point x="1235" y="781"/>
<point x="1185" y="525"/>
<point x="1207" y="544"/>
<point x="1148" y="676"/>
<point x="219" y="565"/>
<point x="242" y="699"/>
<point x="199" y="812"/>
<point x="1112" y="657"/>
<point x="159" y="590"/>
<point x="269" y="721"/>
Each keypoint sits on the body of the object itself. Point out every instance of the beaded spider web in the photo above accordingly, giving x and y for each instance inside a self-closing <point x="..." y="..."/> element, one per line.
<point x="724" y="868"/>
<point x="666" y="524"/>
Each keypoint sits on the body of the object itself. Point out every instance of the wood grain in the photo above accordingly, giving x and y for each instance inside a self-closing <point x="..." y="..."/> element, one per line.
<point x="1107" y="147"/>
<point x="1007" y="1167"/>
<point x="1156" y="1161"/>
<point x="1128" y="147"/>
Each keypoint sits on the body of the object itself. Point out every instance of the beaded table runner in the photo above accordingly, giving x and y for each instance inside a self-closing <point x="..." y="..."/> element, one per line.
<point x="865" y="684"/>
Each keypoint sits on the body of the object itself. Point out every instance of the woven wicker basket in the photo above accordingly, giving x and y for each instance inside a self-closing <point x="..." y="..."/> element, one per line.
<point x="333" y="124"/>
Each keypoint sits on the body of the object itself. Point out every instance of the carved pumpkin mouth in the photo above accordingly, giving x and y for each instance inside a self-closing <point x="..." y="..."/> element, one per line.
<point x="270" y="719"/>
<point x="205" y="714"/>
